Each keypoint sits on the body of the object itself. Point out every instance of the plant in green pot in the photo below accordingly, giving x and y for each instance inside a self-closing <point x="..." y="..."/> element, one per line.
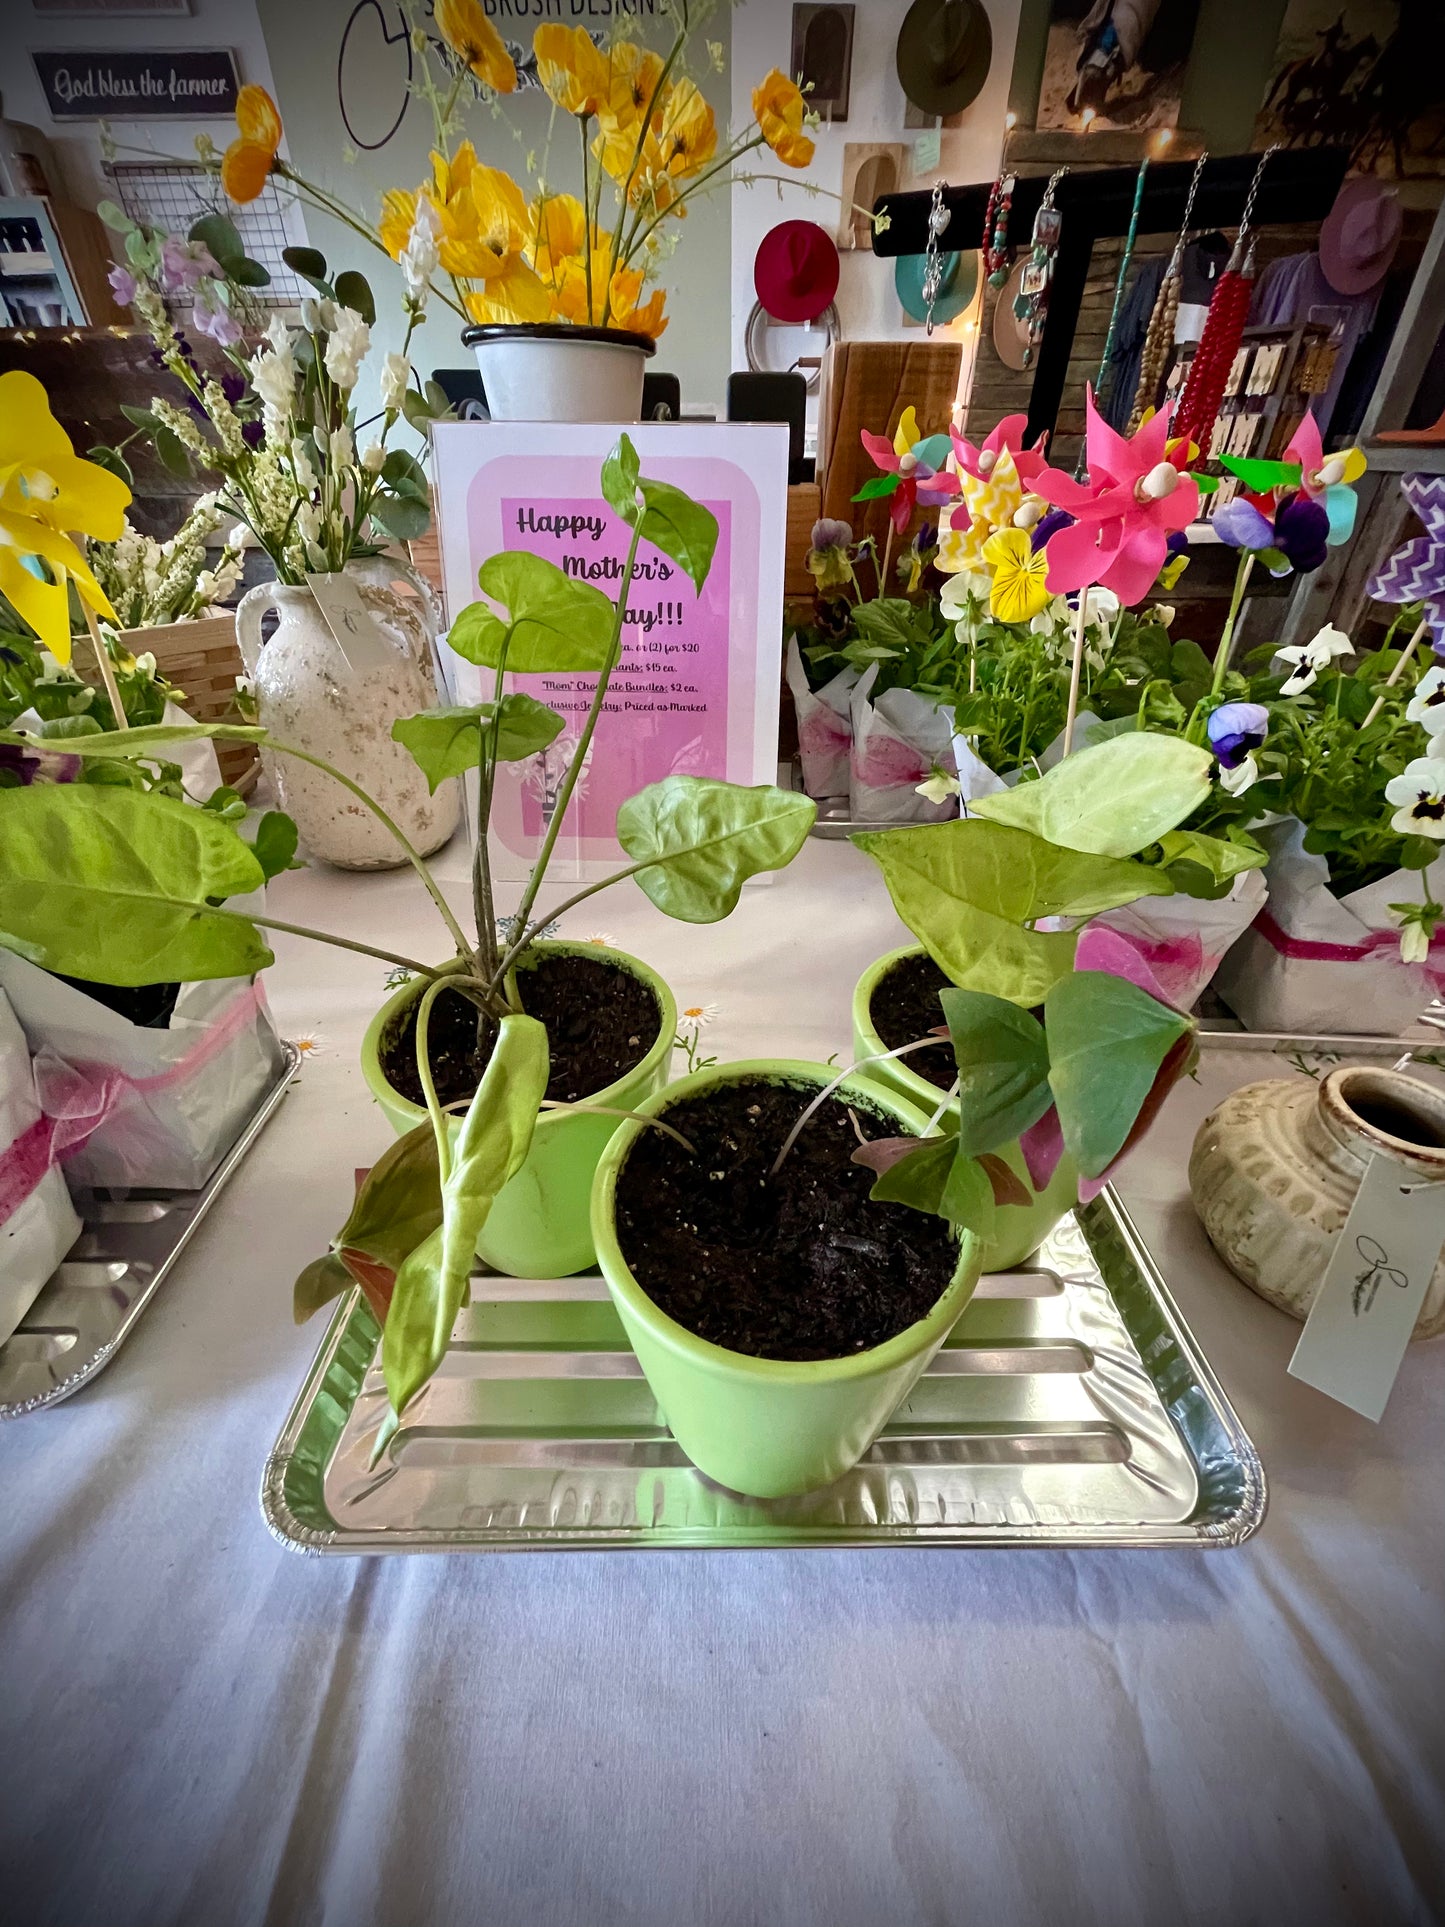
<point x="1035" y="1040"/>
<point x="485" y="1141"/>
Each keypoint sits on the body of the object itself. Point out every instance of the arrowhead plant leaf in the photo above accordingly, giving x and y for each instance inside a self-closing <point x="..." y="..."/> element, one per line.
<point x="1112" y="799"/>
<point x="706" y="838"/>
<point x="1107" y="1042"/>
<point x="555" y="623"/>
<point x="448" y="742"/>
<point x="1003" y="1068"/>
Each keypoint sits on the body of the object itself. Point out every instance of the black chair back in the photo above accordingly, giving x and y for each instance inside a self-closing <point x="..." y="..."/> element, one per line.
<point x="773" y="398"/>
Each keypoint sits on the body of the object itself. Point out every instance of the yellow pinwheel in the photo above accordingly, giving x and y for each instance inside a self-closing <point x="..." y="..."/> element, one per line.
<point x="47" y="492"/>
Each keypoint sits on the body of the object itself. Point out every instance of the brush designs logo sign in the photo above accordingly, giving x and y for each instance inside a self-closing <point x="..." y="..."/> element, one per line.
<point x="171" y="83"/>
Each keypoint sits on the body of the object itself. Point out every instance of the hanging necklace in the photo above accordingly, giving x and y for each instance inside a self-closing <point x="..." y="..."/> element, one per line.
<point x="996" y="250"/>
<point x="1159" y="340"/>
<point x="938" y="219"/>
<point x="1223" y="331"/>
<point x="1031" y="304"/>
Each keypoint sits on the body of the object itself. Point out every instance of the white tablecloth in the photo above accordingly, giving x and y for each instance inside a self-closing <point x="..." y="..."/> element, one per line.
<point x="197" y="1727"/>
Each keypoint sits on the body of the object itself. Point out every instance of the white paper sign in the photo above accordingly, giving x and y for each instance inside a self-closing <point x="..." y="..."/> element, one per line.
<point x="696" y="691"/>
<point x="338" y="598"/>
<point x="1373" y="1288"/>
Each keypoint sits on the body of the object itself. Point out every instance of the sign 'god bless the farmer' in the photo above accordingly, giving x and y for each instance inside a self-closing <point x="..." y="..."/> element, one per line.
<point x="696" y="690"/>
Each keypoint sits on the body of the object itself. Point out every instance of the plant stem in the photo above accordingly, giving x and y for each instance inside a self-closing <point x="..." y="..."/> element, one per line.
<point x="107" y="673"/>
<point x="1226" y="641"/>
<point x="301" y="930"/>
<point x="1406" y="654"/>
<point x="529" y="935"/>
<point x="1076" y="669"/>
<point x="586" y="218"/>
<point x="878" y="1057"/>
<point x="423" y="1065"/>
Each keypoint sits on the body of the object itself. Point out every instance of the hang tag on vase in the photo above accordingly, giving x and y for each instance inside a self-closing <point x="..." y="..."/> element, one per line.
<point x="1374" y="1285"/>
<point x="927" y="151"/>
<point x="351" y="623"/>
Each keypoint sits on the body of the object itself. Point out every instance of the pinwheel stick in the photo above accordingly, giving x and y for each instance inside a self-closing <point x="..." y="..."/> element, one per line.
<point x="1076" y="669"/>
<point x="1406" y="655"/>
<point x="107" y="673"/>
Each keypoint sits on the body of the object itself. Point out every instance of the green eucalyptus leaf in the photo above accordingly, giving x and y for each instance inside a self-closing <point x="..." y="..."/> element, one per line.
<point x="1003" y="1068"/>
<point x="707" y="838"/>
<point x="670" y="520"/>
<point x="494" y="1139"/>
<point x="353" y="290"/>
<point x="172" y="451"/>
<point x="310" y="264"/>
<point x="402" y="516"/>
<point x="942" y="1179"/>
<point x="1112" y="799"/>
<point x="115" y="217"/>
<point x="140" y="417"/>
<point x="112" y="461"/>
<point x="118" y="885"/>
<point x="417" y="410"/>
<point x="448" y="742"/>
<point x="218" y="234"/>
<point x="1107" y="1041"/>
<point x="247" y="273"/>
<point x="557" y="624"/>
<point x="401" y="465"/>
<point x="275" y="843"/>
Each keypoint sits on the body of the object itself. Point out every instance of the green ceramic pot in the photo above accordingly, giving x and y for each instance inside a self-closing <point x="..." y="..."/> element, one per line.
<point x="1021" y="1228"/>
<point x="763" y="1426"/>
<point x="539" y="1226"/>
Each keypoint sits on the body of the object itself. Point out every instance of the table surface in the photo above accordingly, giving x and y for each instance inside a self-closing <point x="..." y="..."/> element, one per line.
<point x="198" y="1726"/>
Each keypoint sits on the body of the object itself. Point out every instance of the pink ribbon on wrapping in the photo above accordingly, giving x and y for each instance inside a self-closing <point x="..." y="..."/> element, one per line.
<point x="76" y="1099"/>
<point x="1306" y="950"/>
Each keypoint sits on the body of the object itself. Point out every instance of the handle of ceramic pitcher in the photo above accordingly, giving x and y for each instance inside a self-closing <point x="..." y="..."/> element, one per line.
<point x="253" y="605"/>
<point x="387" y="569"/>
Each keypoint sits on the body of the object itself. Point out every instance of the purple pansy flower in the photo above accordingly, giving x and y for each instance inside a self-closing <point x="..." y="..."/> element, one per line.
<point x="1240" y="524"/>
<point x="1235" y="729"/>
<point x="829" y="534"/>
<point x="1301" y="531"/>
<point x="1048" y="525"/>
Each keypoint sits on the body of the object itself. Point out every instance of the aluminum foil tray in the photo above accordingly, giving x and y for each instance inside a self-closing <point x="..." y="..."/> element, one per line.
<point x="123" y="1256"/>
<point x="1070" y="1407"/>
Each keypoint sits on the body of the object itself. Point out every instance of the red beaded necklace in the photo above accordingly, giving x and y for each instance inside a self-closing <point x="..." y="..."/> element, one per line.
<point x="1223" y="331"/>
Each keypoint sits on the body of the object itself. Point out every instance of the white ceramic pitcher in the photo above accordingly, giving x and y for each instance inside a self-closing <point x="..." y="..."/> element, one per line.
<point x="308" y="695"/>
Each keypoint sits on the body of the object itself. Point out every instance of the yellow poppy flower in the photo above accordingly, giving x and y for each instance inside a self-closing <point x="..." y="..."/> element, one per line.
<point x="618" y="301"/>
<point x="46" y="489"/>
<point x="499" y="227"/>
<point x="778" y="109"/>
<point x="248" y="161"/>
<point x="557" y="226"/>
<point x="514" y="293"/>
<point x="1020" y="577"/>
<point x="639" y="71"/>
<point x="687" y="138"/>
<point x="476" y="43"/>
<point x="576" y="73"/>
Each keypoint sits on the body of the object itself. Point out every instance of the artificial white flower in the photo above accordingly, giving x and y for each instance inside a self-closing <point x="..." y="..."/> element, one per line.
<point x="1419" y="798"/>
<point x="278" y="336"/>
<point x="308" y="522"/>
<point x="240" y="537"/>
<point x="342" y="448"/>
<point x="309" y="1043"/>
<point x="311" y="314"/>
<point x="273" y="377"/>
<point x="939" y="787"/>
<point x="602" y="938"/>
<point x="1427" y="705"/>
<point x="421" y="257"/>
<point x="373" y="457"/>
<point x="346" y="347"/>
<point x="301" y="464"/>
<point x="1414" y="944"/>
<point x="696" y="1016"/>
<point x="1307" y="659"/>
<point x="1234" y="782"/>
<point x="395" y="374"/>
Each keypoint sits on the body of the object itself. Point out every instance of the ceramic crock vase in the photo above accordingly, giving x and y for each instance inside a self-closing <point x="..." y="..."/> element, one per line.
<point x="540" y="1224"/>
<point x="307" y="695"/>
<point x="769" y="1427"/>
<point x="1019" y="1228"/>
<point x="1275" y="1169"/>
<point x="551" y="372"/>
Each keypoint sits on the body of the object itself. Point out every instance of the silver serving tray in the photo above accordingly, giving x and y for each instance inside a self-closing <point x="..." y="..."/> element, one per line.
<point x="130" y="1242"/>
<point x="1071" y="1406"/>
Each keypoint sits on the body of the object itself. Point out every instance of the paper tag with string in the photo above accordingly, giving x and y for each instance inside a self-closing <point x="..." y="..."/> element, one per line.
<point x="351" y="623"/>
<point x="1354" y="1339"/>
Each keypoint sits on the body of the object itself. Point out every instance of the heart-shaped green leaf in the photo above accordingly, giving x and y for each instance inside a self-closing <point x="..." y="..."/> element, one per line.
<point x="275" y="843"/>
<point x="941" y="1179"/>
<point x="704" y="839"/>
<point x="118" y="886"/>
<point x="556" y="624"/>
<point x="322" y="1280"/>
<point x="448" y="742"/>
<point x="671" y="521"/>
<point x="495" y="1137"/>
<point x="398" y="1203"/>
<point x="1003" y="1068"/>
<point x="1112" y="799"/>
<point x="1107" y="1040"/>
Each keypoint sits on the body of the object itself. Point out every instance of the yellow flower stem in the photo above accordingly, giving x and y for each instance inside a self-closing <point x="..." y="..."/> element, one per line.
<point x="586" y="214"/>
<point x="1075" y="669"/>
<point x="637" y="241"/>
<point x="1406" y="656"/>
<point x="643" y="125"/>
<point x="107" y="673"/>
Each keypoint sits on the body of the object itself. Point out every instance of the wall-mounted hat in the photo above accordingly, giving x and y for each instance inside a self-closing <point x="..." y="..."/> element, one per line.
<point x="956" y="289"/>
<point x="1360" y="235"/>
<point x="1010" y="335"/>
<point x="944" y="50"/>
<point x="795" y="271"/>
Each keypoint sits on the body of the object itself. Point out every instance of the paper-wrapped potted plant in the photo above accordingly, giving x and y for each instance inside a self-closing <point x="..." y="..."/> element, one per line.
<point x="489" y="1160"/>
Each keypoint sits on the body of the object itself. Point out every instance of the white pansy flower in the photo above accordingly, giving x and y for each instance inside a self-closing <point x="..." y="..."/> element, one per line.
<point x="373" y="457"/>
<point x="1100" y="606"/>
<point x="973" y="585"/>
<point x="1307" y="659"/>
<point x="395" y="375"/>
<point x="1414" y="944"/>
<point x="346" y="347"/>
<point x="1427" y="705"/>
<point x="1419" y="798"/>
<point x="421" y="257"/>
<point x="1234" y="782"/>
<point x="1163" y="613"/>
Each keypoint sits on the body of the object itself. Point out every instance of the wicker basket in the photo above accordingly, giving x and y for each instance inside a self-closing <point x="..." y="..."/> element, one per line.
<point x="202" y="659"/>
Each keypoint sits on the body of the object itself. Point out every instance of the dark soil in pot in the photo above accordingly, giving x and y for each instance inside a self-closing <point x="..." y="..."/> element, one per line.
<point x="601" y="1021"/>
<point x="149" y="1005"/>
<point x="905" y="1006"/>
<point x="798" y="1266"/>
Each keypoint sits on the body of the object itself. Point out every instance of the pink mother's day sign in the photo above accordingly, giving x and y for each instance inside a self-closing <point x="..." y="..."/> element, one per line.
<point x="696" y="689"/>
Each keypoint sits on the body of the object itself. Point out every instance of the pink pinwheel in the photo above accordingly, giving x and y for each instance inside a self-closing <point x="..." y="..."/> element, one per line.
<point x="1306" y="474"/>
<point x="1134" y="500"/>
<point x="1009" y="434"/>
<point x="913" y="471"/>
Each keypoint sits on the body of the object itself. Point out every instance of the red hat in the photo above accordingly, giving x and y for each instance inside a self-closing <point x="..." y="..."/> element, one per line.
<point x="796" y="271"/>
<point x="1360" y="235"/>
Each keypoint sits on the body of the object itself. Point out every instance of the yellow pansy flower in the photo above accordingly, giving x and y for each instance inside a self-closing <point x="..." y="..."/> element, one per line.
<point x="1020" y="576"/>
<point x="46" y="490"/>
<point x="778" y="109"/>
<point x="476" y="43"/>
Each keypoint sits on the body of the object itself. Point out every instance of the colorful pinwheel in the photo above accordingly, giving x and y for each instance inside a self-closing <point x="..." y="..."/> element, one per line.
<point x="1416" y="572"/>
<point x="1324" y="481"/>
<point x="912" y="471"/>
<point x="1007" y="436"/>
